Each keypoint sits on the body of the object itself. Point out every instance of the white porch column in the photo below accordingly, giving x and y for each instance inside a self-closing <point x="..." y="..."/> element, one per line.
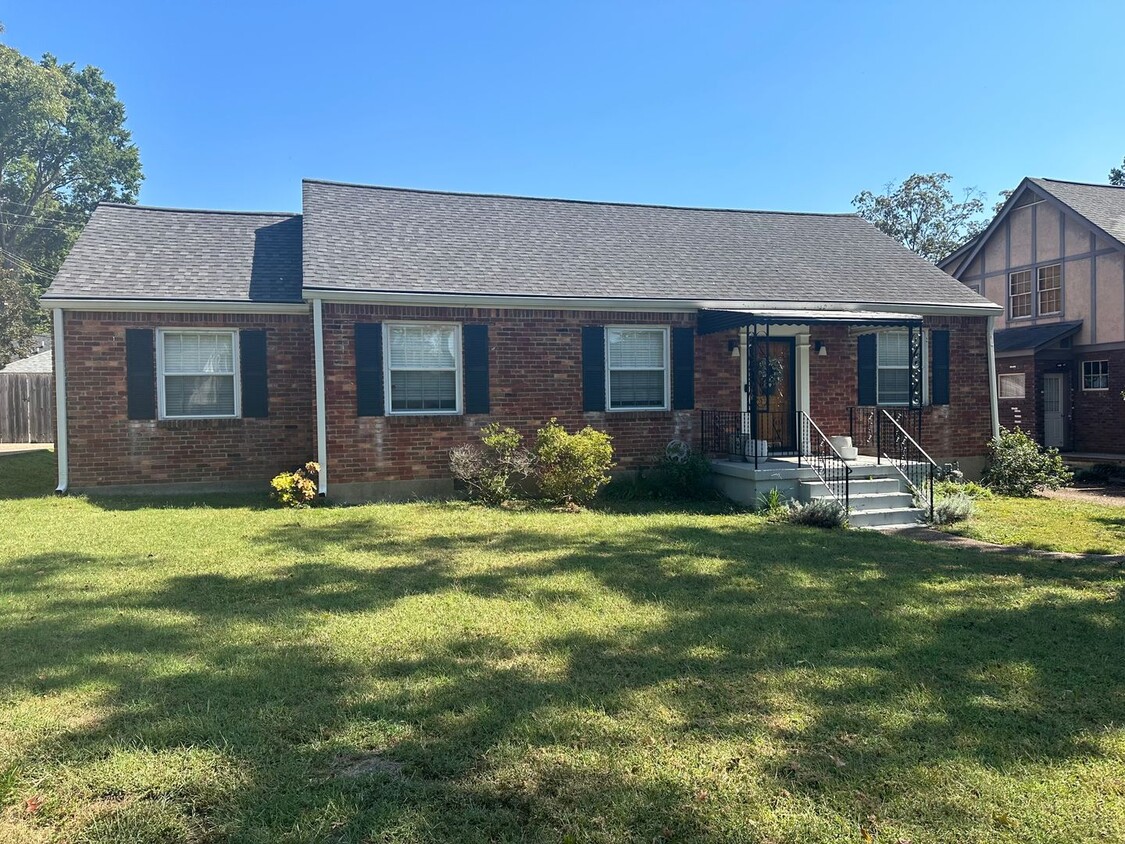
<point x="803" y="382"/>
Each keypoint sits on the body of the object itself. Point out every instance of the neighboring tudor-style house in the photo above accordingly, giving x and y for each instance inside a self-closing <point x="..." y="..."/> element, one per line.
<point x="381" y="327"/>
<point x="1054" y="257"/>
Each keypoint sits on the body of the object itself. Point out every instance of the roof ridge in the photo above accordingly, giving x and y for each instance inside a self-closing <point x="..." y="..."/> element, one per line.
<point x="561" y="200"/>
<point x="170" y="210"/>
<point x="1081" y="184"/>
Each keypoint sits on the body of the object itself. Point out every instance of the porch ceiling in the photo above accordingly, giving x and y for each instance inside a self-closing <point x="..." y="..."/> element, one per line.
<point x="713" y="320"/>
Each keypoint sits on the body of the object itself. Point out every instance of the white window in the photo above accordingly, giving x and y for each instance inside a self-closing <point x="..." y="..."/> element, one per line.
<point x="1095" y="375"/>
<point x="637" y="368"/>
<point x="1050" y="289"/>
<point x="197" y="374"/>
<point x="893" y="368"/>
<point x="1019" y="294"/>
<point x="423" y="367"/>
<point x="1012" y="385"/>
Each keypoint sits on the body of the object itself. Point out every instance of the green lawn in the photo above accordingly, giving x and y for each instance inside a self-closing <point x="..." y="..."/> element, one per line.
<point x="220" y="672"/>
<point x="1048" y="524"/>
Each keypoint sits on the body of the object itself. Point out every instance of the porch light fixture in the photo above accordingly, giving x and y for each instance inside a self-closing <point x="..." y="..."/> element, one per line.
<point x="732" y="347"/>
<point x="821" y="349"/>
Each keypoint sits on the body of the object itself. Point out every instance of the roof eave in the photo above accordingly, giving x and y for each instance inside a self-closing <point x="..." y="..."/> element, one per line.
<point x="207" y="306"/>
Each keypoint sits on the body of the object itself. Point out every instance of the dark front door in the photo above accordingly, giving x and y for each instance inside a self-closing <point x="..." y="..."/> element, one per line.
<point x="771" y="384"/>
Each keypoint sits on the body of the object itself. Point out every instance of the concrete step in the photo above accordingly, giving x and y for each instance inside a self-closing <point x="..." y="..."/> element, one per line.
<point x="885" y="517"/>
<point x="816" y="489"/>
<point x="881" y="501"/>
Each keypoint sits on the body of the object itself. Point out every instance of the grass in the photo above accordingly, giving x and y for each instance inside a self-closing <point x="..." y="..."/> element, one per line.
<point x="1047" y="524"/>
<point x="424" y="672"/>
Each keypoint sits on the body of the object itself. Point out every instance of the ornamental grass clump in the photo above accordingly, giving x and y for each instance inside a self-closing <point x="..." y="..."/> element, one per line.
<point x="297" y="488"/>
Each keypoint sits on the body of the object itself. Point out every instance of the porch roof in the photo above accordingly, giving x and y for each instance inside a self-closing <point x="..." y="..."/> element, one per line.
<point x="712" y="320"/>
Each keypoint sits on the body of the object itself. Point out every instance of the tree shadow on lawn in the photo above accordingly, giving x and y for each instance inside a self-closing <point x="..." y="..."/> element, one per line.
<point x="811" y="641"/>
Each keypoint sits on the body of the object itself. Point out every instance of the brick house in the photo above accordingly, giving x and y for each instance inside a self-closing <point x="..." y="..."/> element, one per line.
<point x="382" y="326"/>
<point x="1054" y="259"/>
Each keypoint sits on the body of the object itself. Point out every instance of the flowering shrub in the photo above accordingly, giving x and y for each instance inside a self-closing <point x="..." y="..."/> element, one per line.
<point x="297" y="488"/>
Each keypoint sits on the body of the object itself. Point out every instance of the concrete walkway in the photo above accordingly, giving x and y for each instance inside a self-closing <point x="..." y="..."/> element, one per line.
<point x="921" y="533"/>
<point x="20" y="448"/>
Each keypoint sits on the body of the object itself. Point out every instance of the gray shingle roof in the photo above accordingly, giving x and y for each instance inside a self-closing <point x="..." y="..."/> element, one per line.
<point x="394" y="240"/>
<point x="1102" y="205"/>
<point x="133" y="252"/>
<point x="1032" y="337"/>
<point x="39" y="362"/>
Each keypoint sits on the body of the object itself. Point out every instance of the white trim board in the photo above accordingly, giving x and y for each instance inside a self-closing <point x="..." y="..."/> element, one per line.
<point x="174" y="306"/>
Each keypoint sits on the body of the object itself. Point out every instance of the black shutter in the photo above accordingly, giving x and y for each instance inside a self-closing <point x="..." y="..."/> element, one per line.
<point x="867" y="374"/>
<point x="593" y="368"/>
<point x="369" y="369"/>
<point x="939" y="340"/>
<point x="683" y="368"/>
<point x="474" y="339"/>
<point x="140" y="373"/>
<point x="252" y="363"/>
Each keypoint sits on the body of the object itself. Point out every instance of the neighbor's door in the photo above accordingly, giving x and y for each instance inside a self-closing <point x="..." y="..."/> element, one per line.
<point x="1054" y="420"/>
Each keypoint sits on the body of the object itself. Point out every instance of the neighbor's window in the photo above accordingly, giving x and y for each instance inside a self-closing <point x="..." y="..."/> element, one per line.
<point x="1050" y="289"/>
<point x="1095" y="375"/>
<point x="893" y="365"/>
<point x="1019" y="294"/>
<point x="423" y="368"/>
<point x="1012" y="385"/>
<point x="637" y="368"/>
<point x="198" y="374"/>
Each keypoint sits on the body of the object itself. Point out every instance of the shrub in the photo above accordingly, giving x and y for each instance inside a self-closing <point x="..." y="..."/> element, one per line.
<point x="1018" y="466"/>
<point x="681" y="474"/>
<point x="571" y="468"/>
<point x="970" y="488"/>
<point x="953" y="508"/>
<point x="1101" y="473"/>
<point x="772" y="503"/>
<point x="496" y="470"/>
<point x="821" y="512"/>
<point x="297" y="488"/>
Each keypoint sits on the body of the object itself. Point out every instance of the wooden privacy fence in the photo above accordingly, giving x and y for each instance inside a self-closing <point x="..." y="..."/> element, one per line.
<point x="27" y="407"/>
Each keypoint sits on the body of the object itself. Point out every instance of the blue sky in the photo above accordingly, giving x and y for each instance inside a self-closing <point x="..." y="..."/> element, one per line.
<point x="781" y="105"/>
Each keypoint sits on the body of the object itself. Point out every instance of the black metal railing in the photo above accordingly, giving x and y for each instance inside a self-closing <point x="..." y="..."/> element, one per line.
<point x="863" y="421"/>
<point x="818" y="453"/>
<point x="895" y="444"/>
<point x="749" y="437"/>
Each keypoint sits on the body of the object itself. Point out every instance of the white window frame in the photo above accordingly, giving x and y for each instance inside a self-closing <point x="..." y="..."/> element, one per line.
<point x="1011" y="376"/>
<point x="161" y="333"/>
<point x="1039" y="290"/>
<point x="1030" y="294"/>
<point x="1085" y="363"/>
<point x="458" y="367"/>
<point x="925" y="368"/>
<point x="666" y="332"/>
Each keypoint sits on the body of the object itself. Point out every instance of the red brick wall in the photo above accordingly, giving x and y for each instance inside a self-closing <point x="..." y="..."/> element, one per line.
<point x="535" y="372"/>
<point x="1098" y="420"/>
<point x="960" y="429"/>
<point x="106" y="448"/>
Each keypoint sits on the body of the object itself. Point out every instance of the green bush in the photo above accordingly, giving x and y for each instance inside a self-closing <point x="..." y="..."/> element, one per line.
<point x="571" y="468"/>
<point x="820" y="512"/>
<point x="1018" y="466"/>
<point x="772" y="504"/>
<point x="297" y="488"/>
<point x="953" y="508"/>
<point x="498" y="469"/>
<point x="969" y="488"/>
<point x="680" y="475"/>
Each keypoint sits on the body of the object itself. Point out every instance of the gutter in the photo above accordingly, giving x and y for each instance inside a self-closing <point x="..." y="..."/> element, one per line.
<point x="61" y="450"/>
<point x="993" y="397"/>
<point x="321" y="409"/>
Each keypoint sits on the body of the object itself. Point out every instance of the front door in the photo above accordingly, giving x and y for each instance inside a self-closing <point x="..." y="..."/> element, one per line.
<point x="1054" y="429"/>
<point x="771" y="382"/>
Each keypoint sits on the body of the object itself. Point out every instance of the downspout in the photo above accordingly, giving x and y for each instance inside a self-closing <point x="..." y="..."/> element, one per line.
<point x="993" y="399"/>
<point x="59" y="361"/>
<point x="321" y="409"/>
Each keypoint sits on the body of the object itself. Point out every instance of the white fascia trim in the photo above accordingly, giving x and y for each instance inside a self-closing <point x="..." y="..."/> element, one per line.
<point x="175" y="306"/>
<point x="993" y="385"/>
<point x="61" y="451"/>
<point x="446" y="300"/>
<point x="321" y="402"/>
